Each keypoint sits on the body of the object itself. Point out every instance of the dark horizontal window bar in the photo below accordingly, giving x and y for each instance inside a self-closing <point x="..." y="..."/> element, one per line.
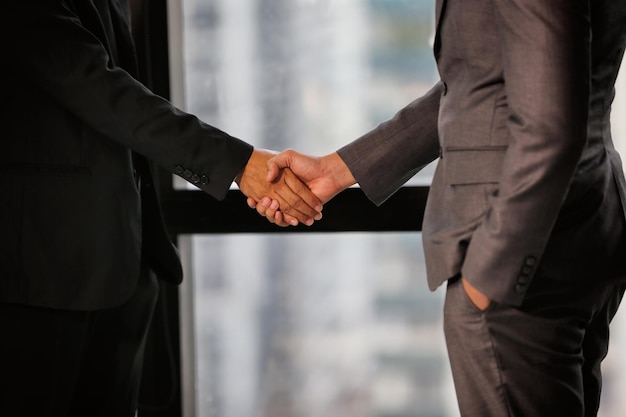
<point x="191" y="212"/>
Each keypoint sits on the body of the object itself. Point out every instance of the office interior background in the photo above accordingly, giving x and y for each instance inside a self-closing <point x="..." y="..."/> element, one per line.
<point x="315" y="324"/>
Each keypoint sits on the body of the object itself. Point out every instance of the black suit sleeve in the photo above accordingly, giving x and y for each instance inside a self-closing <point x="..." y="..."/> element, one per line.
<point x="47" y="44"/>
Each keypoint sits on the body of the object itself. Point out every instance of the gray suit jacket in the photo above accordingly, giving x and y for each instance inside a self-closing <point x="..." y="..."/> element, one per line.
<point x="528" y="179"/>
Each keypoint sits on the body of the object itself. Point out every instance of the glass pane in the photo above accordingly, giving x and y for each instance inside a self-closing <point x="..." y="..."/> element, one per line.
<point x="305" y="74"/>
<point x="316" y="325"/>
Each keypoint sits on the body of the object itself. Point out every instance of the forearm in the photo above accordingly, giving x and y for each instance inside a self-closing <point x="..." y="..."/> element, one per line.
<point x="388" y="156"/>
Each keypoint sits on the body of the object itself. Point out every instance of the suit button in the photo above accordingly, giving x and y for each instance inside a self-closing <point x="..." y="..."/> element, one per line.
<point x="178" y="170"/>
<point x="204" y="180"/>
<point x="519" y="288"/>
<point x="531" y="261"/>
<point x="195" y="178"/>
<point x="187" y="174"/>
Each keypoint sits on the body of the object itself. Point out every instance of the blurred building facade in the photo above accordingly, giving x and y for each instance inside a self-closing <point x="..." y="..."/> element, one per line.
<point x="312" y="325"/>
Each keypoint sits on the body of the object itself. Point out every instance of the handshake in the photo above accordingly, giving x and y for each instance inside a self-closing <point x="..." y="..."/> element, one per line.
<point x="290" y="188"/>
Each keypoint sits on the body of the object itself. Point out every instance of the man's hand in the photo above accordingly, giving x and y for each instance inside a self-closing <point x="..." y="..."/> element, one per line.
<point x="480" y="300"/>
<point x="325" y="176"/>
<point x="285" y="190"/>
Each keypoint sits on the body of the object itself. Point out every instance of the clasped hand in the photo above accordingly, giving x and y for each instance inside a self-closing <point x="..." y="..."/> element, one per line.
<point x="324" y="177"/>
<point x="285" y="191"/>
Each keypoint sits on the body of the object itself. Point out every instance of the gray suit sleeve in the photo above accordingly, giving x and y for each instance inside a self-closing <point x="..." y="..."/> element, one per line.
<point x="545" y="48"/>
<point x="388" y="156"/>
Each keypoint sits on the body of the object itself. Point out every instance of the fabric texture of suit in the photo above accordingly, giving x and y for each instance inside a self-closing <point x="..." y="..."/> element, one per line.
<point x="528" y="177"/>
<point x="79" y="206"/>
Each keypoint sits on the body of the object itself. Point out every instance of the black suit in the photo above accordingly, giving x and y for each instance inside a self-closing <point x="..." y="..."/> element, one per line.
<point x="74" y="114"/>
<point x="79" y="213"/>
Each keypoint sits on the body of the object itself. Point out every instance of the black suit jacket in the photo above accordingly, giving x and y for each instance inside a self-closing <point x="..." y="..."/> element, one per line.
<point x="76" y="127"/>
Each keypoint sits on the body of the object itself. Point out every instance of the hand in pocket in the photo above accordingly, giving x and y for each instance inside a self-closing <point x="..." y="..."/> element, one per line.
<point x="480" y="300"/>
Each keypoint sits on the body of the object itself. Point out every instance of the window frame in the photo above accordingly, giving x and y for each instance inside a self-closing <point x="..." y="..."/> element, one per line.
<point x="189" y="212"/>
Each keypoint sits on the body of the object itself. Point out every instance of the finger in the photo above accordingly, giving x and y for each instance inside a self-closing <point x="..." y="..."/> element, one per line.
<point x="290" y="219"/>
<point x="302" y="191"/>
<point x="272" y="209"/>
<point x="299" y="197"/>
<point x="284" y="220"/>
<point x="251" y="202"/>
<point x="293" y="215"/>
<point x="269" y="209"/>
<point x="263" y="206"/>
<point x="291" y="202"/>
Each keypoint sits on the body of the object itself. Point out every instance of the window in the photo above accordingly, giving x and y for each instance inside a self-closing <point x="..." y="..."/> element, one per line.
<point x="312" y="324"/>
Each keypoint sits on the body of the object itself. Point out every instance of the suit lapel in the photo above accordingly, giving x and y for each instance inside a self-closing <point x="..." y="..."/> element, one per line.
<point x="440" y="6"/>
<point x="109" y="21"/>
<point x="120" y="18"/>
<point x="91" y="20"/>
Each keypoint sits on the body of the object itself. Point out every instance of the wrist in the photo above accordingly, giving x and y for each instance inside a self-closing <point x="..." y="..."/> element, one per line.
<point x="339" y="171"/>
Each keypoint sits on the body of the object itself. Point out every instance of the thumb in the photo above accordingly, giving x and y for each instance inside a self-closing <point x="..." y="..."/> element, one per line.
<point x="276" y="163"/>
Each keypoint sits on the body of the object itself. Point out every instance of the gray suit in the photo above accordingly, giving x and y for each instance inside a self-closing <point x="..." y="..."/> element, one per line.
<point x="528" y="188"/>
<point x="522" y="145"/>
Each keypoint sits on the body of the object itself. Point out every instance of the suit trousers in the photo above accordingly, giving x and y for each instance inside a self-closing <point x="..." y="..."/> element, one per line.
<point x="60" y="363"/>
<point x="538" y="360"/>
